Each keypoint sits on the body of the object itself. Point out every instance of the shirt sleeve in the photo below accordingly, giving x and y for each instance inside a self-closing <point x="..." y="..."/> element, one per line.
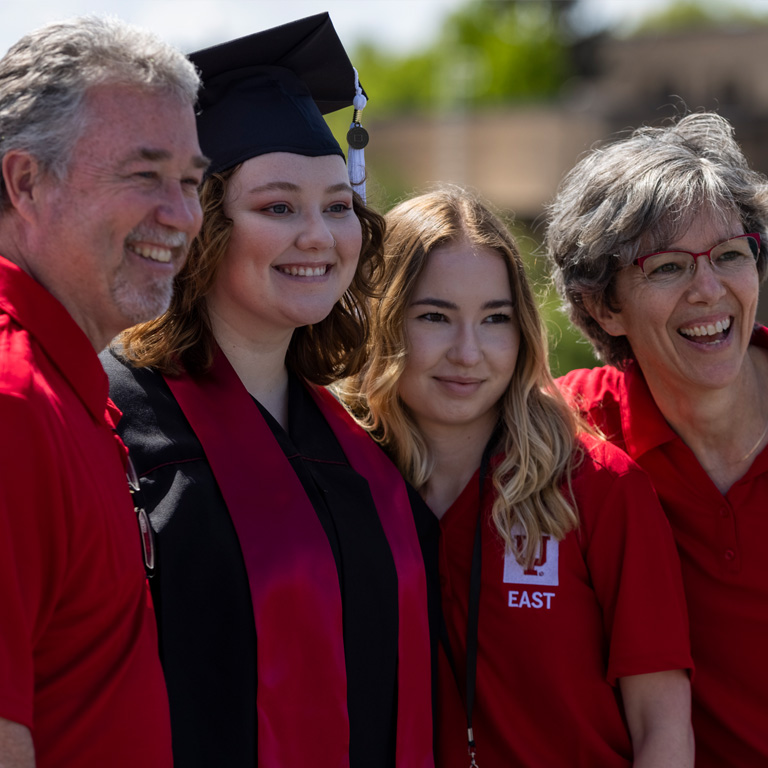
<point x="634" y="566"/>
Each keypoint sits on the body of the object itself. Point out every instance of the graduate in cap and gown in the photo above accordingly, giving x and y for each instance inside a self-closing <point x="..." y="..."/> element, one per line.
<point x="290" y="587"/>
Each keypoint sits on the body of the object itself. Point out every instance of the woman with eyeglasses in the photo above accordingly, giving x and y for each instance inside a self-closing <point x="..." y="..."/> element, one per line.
<point x="658" y="247"/>
<point x="566" y="643"/>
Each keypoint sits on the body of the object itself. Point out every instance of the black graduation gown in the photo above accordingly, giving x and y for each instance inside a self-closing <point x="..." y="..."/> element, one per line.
<point x="207" y="638"/>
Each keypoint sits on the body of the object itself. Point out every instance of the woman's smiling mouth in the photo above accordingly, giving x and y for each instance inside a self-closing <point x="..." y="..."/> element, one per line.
<point x="303" y="271"/>
<point x="707" y="331"/>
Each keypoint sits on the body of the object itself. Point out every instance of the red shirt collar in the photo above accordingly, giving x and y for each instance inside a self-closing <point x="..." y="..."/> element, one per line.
<point x="61" y="338"/>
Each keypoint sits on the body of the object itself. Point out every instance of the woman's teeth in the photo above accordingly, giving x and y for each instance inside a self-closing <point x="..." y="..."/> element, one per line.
<point x="707" y="330"/>
<point x="304" y="271"/>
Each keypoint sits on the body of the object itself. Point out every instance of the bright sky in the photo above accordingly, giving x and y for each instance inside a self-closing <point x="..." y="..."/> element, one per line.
<point x="191" y="24"/>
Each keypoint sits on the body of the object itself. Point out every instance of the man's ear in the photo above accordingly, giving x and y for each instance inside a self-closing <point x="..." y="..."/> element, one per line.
<point x="22" y="175"/>
<point x="611" y="322"/>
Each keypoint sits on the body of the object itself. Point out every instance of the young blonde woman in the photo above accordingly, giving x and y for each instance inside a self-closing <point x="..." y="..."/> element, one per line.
<point x="565" y="626"/>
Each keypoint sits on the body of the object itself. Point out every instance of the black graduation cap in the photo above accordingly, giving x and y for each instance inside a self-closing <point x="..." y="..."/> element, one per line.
<point x="267" y="92"/>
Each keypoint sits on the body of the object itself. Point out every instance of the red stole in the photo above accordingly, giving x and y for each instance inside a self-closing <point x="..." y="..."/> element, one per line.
<point x="301" y="699"/>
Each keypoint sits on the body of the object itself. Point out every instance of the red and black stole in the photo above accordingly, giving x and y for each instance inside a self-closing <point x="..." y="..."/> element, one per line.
<point x="301" y="699"/>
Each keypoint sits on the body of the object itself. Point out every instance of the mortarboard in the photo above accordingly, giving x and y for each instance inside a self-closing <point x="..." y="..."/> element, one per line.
<point x="268" y="92"/>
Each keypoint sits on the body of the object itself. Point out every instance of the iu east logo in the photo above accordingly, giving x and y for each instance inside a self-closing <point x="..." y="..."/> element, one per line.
<point x="543" y="572"/>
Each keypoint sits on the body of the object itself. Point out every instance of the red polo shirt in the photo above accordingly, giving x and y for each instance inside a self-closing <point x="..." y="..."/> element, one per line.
<point x="554" y="639"/>
<point x="720" y="539"/>
<point x="78" y="646"/>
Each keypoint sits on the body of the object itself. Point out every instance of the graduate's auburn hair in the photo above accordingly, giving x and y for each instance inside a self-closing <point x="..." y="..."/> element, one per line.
<point x="181" y="339"/>
<point x="537" y="430"/>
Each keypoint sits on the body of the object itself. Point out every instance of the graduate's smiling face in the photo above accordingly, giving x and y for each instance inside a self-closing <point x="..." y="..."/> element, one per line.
<point x="294" y="246"/>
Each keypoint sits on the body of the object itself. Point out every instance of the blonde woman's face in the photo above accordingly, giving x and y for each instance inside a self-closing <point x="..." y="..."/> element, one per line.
<point x="463" y="340"/>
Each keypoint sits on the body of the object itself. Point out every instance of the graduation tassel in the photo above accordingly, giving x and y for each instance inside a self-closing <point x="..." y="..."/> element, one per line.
<point x="357" y="138"/>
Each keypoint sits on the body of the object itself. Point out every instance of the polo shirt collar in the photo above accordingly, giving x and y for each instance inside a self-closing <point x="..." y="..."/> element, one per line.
<point x="760" y="337"/>
<point x="643" y="424"/>
<point x="62" y="339"/>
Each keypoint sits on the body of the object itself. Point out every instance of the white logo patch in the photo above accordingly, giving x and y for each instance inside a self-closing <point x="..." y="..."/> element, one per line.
<point x="544" y="570"/>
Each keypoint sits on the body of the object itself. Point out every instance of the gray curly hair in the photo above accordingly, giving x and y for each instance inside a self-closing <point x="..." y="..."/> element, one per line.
<point x="638" y="195"/>
<point x="45" y="76"/>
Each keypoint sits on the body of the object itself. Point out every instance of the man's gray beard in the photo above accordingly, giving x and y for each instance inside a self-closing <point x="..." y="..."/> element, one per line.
<point x="138" y="304"/>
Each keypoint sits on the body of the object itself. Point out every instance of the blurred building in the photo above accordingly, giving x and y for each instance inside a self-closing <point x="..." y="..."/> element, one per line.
<point x="517" y="155"/>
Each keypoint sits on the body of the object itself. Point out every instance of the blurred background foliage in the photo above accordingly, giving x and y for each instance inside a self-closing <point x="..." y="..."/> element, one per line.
<point x="527" y="49"/>
<point x="502" y="52"/>
<point x="517" y="48"/>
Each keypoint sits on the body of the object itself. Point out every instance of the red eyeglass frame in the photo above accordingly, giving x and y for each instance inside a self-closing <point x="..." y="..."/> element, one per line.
<point x="640" y="260"/>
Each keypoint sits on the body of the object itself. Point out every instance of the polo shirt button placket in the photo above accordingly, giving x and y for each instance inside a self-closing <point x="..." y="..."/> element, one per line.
<point x="727" y="542"/>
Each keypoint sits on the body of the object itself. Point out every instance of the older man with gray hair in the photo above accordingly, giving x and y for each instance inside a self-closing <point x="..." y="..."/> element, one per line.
<point x="99" y="165"/>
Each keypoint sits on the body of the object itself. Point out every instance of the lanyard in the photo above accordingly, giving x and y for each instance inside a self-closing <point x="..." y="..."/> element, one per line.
<point x="473" y="609"/>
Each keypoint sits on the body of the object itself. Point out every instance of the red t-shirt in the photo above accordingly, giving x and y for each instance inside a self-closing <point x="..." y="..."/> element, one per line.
<point x="720" y="540"/>
<point x="603" y="603"/>
<point x="78" y="646"/>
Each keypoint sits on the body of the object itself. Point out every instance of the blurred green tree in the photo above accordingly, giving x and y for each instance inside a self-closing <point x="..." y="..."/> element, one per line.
<point x="568" y="348"/>
<point x="503" y="50"/>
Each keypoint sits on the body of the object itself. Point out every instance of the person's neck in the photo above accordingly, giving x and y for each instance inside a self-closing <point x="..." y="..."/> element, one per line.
<point x="13" y="243"/>
<point x="457" y="454"/>
<point x="259" y="364"/>
<point x="725" y="428"/>
<point x="12" y="249"/>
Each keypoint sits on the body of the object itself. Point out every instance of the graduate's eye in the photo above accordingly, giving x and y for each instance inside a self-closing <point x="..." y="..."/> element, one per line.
<point x="498" y="317"/>
<point x="339" y="208"/>
<point x="276" y="209"/>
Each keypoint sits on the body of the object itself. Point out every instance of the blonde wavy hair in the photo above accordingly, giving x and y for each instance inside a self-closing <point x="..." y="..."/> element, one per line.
<point x="537" y="430"/>
<point x="181" y="339"/>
